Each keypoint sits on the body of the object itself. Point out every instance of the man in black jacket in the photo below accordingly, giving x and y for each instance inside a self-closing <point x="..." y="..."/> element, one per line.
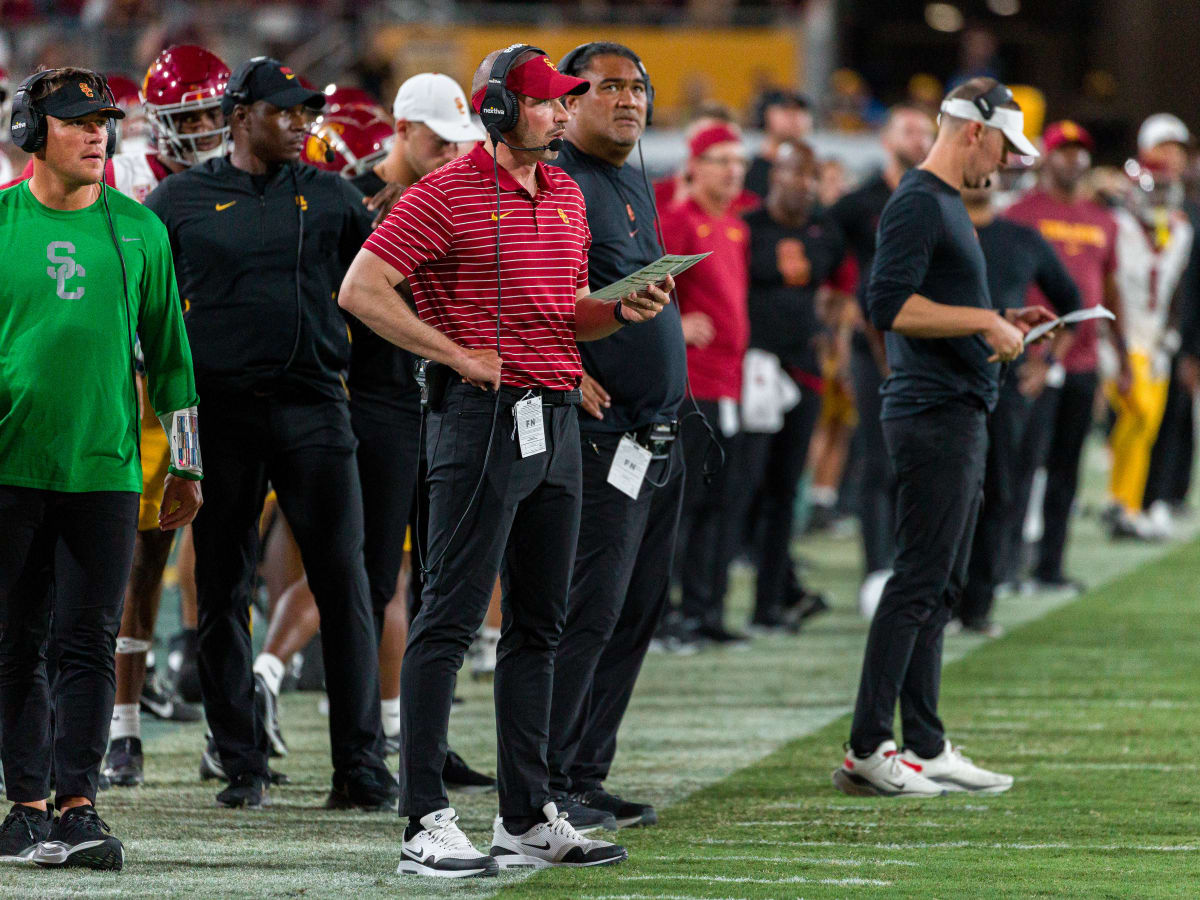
<point x="260" y="243"/>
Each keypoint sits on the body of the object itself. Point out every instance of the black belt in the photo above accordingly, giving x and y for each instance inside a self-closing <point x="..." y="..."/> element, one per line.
<point x="514" y="395"/>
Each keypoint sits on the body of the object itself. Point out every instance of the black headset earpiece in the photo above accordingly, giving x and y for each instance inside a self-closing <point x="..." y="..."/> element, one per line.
<point x="500" y="108"/>
<point x="110" y="144"/>
<point x="235" y="90"/>
<point x="27" y="127"/>
<point x="567" y="65"/>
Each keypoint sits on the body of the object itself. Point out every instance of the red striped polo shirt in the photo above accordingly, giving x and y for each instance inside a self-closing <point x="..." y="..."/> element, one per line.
<point x="441" y="236"/>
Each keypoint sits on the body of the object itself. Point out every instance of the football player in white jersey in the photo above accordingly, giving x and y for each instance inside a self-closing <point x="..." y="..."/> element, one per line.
<point x="1154" y="242"/>
<point x="181" y="96"/>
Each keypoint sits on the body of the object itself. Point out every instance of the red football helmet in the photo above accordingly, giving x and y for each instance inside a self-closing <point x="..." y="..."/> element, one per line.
<point x="186" y="79"/>
<point x="358" y="138"/>
<point x="341" y="97"/>
<point x="134" y="128"/>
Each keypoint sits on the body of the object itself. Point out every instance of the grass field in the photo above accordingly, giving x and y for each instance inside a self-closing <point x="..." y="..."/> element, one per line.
<point x="1090" y="703"/>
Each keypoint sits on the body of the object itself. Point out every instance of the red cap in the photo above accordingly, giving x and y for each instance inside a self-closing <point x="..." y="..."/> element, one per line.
<point x="714" y="134"/>
<point x="537" y="78"/>
<point x="1057" y="134"/>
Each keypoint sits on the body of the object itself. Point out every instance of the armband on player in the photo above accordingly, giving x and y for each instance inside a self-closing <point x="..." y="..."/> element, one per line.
<point x="183" y="431"/>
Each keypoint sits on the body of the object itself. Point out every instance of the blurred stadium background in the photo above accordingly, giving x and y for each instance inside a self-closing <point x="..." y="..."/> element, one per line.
<point x="1105" y="63"/>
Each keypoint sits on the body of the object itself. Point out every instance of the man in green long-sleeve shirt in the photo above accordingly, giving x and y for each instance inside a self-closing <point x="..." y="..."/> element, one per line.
<point x="85" y="269"/>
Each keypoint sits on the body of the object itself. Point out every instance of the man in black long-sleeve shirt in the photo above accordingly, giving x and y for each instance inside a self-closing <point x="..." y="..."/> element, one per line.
<point x="929" y="293"/>
<point x="1017" y="256"/>
<point x="633" y="384"/>
<point x="260" y="243"/>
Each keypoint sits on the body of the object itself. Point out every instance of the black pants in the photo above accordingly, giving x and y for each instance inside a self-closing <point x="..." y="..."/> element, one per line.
<point x="524" y="523"/>
<point x="990" y="553"/>
<point x="877" y="490"/>
<point x="70" y="554"/>
<point x="305" y="447"/>
<point x="1174" y="450"/>
<point x="708" y="536"/>
<point x="1072" y="420"/>
<point x="767" y="473"/>
<point x="939" y="456"/>
<point x="388" y="433"/>
<point x="618" y="592"/>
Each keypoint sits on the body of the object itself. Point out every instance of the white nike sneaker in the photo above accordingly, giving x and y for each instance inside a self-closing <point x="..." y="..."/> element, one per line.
<point x="882" y="774"/>
<point x="441" y="850"/>
<point x="955" y="772"/>
<point x="554" y="842"/>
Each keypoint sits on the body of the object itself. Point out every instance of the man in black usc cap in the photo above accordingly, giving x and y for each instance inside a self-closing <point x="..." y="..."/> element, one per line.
<point x="261" y="243"/>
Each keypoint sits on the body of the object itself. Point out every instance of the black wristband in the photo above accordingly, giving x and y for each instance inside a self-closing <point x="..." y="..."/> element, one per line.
<point x="618" y="315"/>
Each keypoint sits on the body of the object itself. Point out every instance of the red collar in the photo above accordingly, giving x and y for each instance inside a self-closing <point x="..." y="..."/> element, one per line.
<point x="487" y="166"/>
<point x="156" y="166"/>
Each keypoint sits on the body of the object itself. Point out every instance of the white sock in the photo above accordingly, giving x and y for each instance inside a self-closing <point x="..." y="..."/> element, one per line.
<point x="391" y="716"/>
<point x="491" y="634"/>
<point x="271" y="668"/>
<point x="126" y="722"/>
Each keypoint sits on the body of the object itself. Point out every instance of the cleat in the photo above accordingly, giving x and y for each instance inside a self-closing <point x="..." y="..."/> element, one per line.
<point x="882" y="774"/>
<point x="125" y="766"/>
<point x="161" y="701"/>
<point x="268" y="713"/>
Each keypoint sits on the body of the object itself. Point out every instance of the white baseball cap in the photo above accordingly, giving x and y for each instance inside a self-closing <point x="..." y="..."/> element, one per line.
<point x="1009" y="121"/>
<point x="1161" y="128"/>
<point x="439" y="102"/>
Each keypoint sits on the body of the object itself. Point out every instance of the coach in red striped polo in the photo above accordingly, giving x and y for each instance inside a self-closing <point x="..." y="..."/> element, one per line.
<point x="494" y="248"/>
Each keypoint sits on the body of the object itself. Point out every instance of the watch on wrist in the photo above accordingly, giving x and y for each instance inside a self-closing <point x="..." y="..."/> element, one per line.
<point x="619" y="314"/>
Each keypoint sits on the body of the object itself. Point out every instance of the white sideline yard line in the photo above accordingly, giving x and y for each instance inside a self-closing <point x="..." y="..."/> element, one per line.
<point x="804" y="860"/>
<point x="787" y="879"/>
<point x="968" y="845"/>
<point x="842" y="823"/>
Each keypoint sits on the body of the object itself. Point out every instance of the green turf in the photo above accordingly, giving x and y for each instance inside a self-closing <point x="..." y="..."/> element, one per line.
<point x="724" y="742"/>
<point x="1093" y="709"/>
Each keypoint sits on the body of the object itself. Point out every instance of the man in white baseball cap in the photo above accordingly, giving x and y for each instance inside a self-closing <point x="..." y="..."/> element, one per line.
<point x="1163" y="143"/>
<point x="432" y="121"/>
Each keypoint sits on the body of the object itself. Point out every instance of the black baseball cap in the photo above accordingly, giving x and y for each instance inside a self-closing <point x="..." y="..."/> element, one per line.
<point x="272" y="81"/>
<point x="77" y="99"/>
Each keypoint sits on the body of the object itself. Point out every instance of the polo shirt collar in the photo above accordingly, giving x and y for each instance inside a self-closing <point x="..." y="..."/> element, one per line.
<point x="482" y="160"/>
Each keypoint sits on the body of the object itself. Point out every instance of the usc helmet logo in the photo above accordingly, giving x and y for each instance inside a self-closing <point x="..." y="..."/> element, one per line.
<point x="87" y="91"/>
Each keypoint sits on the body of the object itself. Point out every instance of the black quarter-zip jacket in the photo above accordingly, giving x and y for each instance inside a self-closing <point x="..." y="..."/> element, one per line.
<point x="237" y="254"/>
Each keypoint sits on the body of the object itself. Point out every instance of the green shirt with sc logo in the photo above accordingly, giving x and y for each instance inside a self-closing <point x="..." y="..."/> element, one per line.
<point x="68" y="408"/>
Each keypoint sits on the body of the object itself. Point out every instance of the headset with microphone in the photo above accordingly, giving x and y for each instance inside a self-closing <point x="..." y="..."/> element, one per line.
<point x="500" y="109"/>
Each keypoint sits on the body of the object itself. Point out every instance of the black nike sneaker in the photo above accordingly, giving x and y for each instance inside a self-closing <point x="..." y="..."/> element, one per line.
<point x="211" y="768"/>
<point x="369" y="788"/>
<point x="626" y="813"/>
<point x="79" y="837"/>
<point x="458" y="776"/>
<point x="584" y="818"/>
<point x="23" y="829"/>
<point x="125" y="765"/>
<point x="245" y="791"/>
<point x="160" y="700"/>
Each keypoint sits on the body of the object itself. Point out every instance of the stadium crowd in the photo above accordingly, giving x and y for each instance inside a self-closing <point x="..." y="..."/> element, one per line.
<point x="462" y="481"/>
